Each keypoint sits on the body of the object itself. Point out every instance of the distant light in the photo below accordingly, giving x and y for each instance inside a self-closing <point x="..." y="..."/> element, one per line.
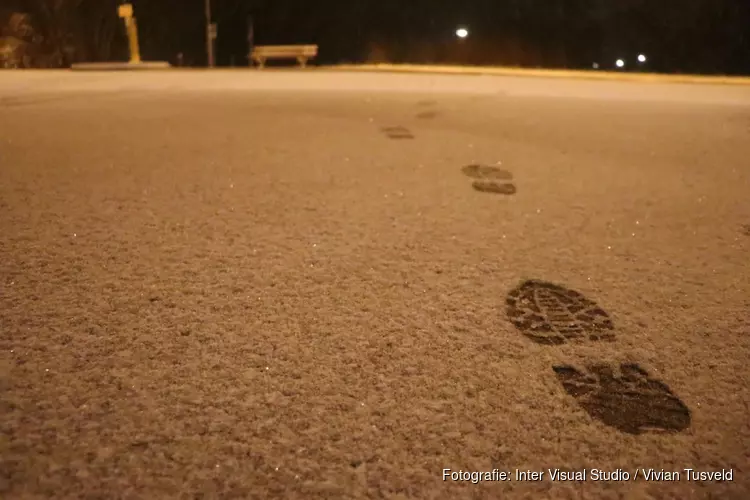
<point x="641" y="58"/>
<point x="620" y="63"/>
<point x="462" y="32"/>
<point x="596" y="65"/>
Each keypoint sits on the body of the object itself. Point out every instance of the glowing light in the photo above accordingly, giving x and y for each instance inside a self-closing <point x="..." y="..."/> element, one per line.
<point x="620" y="63"/>
<point x="462" y="32"/>
<point x="641" y="58"/>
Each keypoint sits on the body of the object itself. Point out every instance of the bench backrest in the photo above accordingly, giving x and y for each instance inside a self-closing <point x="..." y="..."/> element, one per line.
<point x="285" y="50"/>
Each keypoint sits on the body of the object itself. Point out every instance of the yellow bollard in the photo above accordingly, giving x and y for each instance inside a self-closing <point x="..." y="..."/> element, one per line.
<point x="135" y="52"/>
<point x="125" y="11"/>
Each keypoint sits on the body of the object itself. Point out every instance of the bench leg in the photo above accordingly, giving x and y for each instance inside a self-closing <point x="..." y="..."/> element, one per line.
<point x="302" y="61"/>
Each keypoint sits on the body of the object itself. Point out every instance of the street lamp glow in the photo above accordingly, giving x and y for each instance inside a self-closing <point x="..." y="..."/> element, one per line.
<point x="462" y="32"/>
<point x="620" y="63"/>
<point x="641" y="58"/>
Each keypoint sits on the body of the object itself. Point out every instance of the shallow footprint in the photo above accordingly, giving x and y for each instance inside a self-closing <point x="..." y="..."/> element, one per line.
<point x="426" y="103"/>
<point x="632" y="402"/>
<point x="494" y="187"/>
<point x="426" y="115"/>
<point x="397" y="132"/>
<point x="488" y="172"/>
<point x="552" y="314"/>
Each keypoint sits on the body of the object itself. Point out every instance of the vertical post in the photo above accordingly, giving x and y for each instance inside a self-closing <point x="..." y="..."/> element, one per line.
<point x="135" y="51"/>
<point x="250" y="40"/>
<point x="209" y="36"/>
<point x="125" y="11"/>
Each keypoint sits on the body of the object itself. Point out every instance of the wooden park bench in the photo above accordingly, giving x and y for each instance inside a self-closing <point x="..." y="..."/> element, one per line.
<point x="300" y="52"/>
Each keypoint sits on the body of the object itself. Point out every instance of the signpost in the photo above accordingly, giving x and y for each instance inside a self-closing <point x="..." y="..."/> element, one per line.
<point x="125" y="11"/>
<point x="250" y="39"/>
<point x="210" y="35"/>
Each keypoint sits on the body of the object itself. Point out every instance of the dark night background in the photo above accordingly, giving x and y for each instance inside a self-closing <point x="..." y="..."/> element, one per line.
<point x="678" y="36"/>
